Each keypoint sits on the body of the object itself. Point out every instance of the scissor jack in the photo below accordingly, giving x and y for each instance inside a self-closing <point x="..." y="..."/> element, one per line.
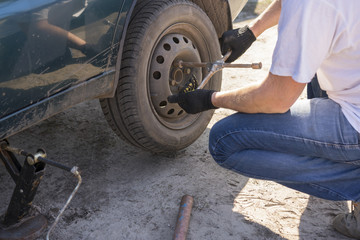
<point x="20" y="220"/>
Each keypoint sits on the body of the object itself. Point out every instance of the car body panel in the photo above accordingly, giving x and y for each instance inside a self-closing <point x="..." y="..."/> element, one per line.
<point x="236" y="6"/>
<point x="32" y="97"/>
<point x="40" y="78"/>
<point x="44" y="109"/>
<point x="40" y="59"/>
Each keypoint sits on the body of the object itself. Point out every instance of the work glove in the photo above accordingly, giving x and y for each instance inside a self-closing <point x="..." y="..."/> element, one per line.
<point x="237" y="41"/>
<point x="191" y="100"/>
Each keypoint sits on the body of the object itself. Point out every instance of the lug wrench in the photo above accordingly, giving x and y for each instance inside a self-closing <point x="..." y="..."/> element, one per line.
<point x="216" y="67"/>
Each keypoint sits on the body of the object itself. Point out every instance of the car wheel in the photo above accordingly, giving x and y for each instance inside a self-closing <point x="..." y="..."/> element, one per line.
<point x="160" y="33"/>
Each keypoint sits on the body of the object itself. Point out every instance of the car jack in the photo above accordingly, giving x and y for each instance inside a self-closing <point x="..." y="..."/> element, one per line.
<point x="20" y="221"/>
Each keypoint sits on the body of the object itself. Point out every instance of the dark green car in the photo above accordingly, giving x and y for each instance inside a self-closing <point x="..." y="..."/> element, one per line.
<point x="57" y="53"/>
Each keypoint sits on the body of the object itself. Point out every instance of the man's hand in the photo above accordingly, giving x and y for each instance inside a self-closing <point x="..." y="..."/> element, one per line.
<point x="195" y="101"/>
<point x="237" y="41"/>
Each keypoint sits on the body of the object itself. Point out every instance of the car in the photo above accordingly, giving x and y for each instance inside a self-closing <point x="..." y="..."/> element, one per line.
<point x="55" y="54"/>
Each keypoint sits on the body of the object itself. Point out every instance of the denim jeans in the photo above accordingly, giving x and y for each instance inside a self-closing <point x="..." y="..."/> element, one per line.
<point x="311" y="148"/>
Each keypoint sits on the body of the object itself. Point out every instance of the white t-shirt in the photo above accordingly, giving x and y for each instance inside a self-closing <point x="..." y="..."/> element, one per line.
<point x="322" y="37"/>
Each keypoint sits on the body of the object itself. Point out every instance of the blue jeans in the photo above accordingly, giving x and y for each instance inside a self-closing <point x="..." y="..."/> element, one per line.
<point x="311" y="148"/>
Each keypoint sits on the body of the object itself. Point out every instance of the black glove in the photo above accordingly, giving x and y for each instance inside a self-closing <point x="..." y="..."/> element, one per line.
<point x="195" y="101"/>
<point x="238" y="41"/>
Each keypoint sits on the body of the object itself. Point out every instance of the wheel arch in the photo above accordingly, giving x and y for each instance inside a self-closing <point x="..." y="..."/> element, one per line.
<point x="219" y="12"/>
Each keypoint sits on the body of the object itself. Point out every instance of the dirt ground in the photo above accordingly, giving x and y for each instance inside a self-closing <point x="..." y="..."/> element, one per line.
<point x="131" y="194"/>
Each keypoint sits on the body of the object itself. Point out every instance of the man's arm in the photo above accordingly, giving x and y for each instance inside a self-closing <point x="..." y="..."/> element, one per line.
<point x="269" y="18"/>
<point x="276" y="94"/>
<point x="239" y="40"/>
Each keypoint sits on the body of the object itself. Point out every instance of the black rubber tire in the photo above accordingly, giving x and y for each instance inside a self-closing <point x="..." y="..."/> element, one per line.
<point x="131" y="113"/>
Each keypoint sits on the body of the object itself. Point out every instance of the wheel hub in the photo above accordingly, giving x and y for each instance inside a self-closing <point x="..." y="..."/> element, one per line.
<point x="165" y="78"/>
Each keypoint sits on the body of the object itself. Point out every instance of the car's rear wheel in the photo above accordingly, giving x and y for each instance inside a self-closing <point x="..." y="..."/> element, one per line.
<point x="160" y="33"/>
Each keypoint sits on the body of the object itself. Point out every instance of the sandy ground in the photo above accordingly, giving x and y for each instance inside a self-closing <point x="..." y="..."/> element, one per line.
<point x="131" y="194"/>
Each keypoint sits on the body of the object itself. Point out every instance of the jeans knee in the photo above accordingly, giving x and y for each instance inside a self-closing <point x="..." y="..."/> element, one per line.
<point x="215" y="142"/>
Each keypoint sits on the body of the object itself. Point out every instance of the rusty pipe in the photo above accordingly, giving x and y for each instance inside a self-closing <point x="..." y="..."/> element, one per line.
<point x="183" y="219"/>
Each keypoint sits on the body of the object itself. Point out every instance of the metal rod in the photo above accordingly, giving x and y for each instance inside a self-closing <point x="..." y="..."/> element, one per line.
<point x="252" y="65"/>
<point x="225" y="65"/>
<point x="207" y="78"/>
<point x="183" y="219"/>
<point x="55" y="164"/>
<point x="17" y="151"/>
<point x="38" y="158"/>
<point x="74" y="171"/>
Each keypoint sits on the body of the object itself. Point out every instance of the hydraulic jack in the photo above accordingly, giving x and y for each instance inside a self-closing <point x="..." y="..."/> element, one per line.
<point x="20" y="220"/>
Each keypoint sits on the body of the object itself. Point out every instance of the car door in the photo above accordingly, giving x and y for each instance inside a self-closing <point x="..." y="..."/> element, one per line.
<point x="47" y="46"/>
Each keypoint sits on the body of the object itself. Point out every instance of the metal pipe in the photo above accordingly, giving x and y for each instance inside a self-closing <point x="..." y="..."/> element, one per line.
<point x="183" y="219"/>
<point x="55" y="164"/>
<point x="251" y="65"/>
<point x="182" y="64"/>
<point x="17" y="151"/>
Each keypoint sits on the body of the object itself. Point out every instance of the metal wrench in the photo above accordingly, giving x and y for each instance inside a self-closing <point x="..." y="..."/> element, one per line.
<point x="216" y="67"/>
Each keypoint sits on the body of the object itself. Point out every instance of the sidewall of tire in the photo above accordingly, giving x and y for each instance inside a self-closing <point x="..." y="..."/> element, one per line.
<point x="165" y="138"/>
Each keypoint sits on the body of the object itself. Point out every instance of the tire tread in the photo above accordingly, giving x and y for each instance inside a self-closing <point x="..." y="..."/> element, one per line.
<point x="119" y="111"/>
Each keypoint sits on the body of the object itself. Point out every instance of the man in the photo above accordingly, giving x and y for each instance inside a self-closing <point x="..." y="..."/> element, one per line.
<point x="310" y="145"/>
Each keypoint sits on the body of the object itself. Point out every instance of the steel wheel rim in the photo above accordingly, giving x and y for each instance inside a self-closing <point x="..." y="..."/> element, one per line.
<point x="165" y="79"/>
